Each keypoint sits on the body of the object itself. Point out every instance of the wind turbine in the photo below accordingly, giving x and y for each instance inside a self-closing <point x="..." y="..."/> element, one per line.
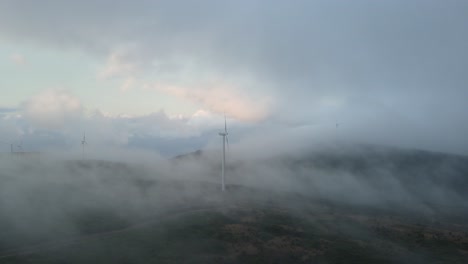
<point x="223" y="163"/>
<point x="20" y="147"/>
<point x="83" y="142"/>
<point x="12" y="150"/>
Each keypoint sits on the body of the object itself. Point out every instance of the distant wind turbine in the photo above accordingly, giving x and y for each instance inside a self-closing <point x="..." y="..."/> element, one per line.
<point x="12" y="148"/>
<point x="83" y="142"/>
<point x="20" y="147"/>
<point x="223" y="163"/>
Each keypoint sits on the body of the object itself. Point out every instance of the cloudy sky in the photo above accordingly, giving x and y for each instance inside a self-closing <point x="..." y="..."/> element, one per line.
<point x="159" y="75"/>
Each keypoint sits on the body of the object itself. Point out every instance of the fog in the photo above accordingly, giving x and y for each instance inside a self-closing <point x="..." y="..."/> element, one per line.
<point x="48" y="198"/>
<point x="332" y="106"/>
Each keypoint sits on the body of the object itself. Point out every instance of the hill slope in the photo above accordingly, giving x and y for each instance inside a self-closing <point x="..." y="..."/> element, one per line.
<point x="349" y="205"/>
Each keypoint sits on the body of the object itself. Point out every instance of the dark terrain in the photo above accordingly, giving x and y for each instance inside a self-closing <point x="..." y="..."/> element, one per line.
<point x="360" y="205"/>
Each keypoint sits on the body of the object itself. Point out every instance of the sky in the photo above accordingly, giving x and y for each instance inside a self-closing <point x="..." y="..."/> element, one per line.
<point x="160" y="75"/>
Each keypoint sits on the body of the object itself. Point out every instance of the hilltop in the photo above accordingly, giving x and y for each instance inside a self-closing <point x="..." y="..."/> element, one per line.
<point x="364" y="204"/>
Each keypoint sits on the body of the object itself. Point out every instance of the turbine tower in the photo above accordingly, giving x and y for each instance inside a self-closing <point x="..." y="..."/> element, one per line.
<point x="12" y="150"/>
<point x="83" y="143"/>
<point x="223" y="163"/>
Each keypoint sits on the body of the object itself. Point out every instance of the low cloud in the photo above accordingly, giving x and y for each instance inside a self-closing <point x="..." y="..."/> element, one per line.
<point x="55" y="120"/>
<point x="52" y="109"/>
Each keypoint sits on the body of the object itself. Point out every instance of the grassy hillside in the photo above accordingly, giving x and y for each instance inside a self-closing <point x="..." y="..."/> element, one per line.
<point x="359" y="205"/>
<point x="264" y="235"/>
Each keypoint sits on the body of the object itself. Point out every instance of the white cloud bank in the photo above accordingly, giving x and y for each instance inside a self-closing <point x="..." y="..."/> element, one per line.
<point x="222" y="98"/>
<point x="52" y="108"/>
<point x="392" y="70"/>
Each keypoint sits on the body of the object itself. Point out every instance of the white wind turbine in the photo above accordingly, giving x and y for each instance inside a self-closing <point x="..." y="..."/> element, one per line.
<point x="83" y="143"/>
<point x="223" y="163"/>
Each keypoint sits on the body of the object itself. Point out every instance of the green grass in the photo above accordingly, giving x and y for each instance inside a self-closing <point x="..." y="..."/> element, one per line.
<point x="253" y="235"/>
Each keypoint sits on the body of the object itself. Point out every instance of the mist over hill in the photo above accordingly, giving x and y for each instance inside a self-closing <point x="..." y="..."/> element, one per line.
<point x="353" y="173"/>
<point x="48" y="200"/>
<point x="344" y="124"/>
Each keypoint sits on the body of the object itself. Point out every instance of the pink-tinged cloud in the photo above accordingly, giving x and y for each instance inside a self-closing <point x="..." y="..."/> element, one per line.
<point x="52" y="109"/>
<point x="222" y="98"/>
<point x="18" y="59"/>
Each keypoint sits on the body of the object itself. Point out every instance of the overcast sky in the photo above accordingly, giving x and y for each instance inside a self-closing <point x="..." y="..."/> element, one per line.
<point x="160" y="74"/>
